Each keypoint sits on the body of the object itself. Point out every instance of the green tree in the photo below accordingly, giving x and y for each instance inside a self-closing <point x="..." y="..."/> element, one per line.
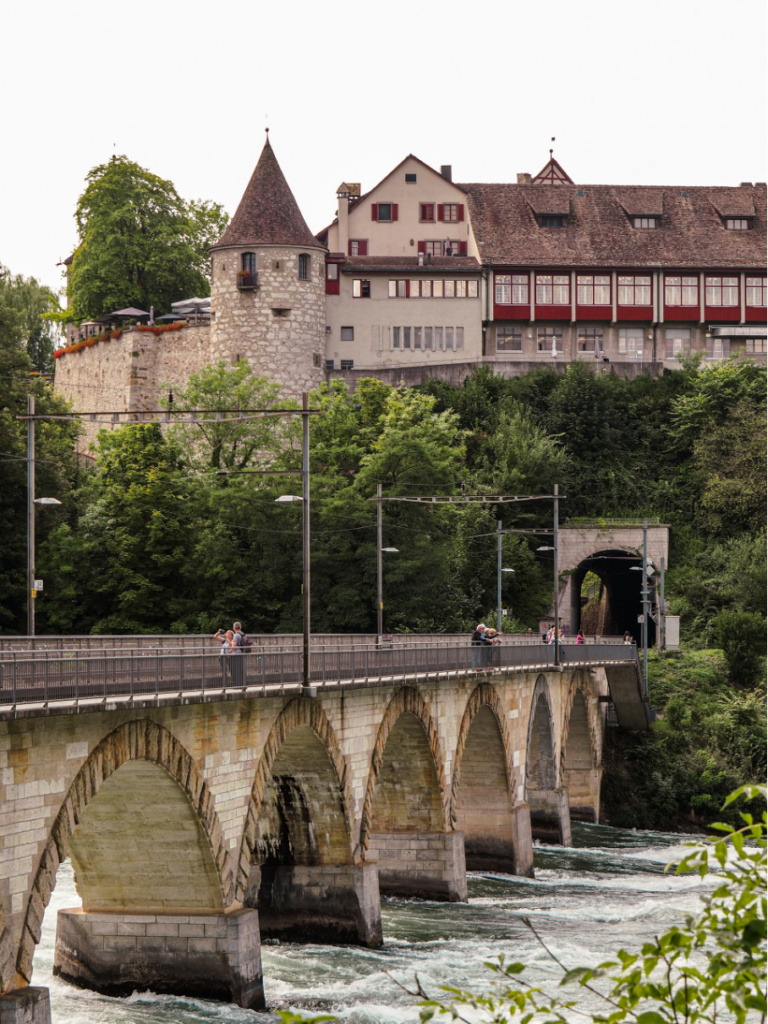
<point x="35" y="303"/>
<point x="207" y="223"/>
<point x="139" y="243"/>
<point x="741" y="637"/>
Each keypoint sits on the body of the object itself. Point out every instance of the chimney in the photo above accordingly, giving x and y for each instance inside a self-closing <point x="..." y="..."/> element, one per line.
<point x="343" y="214"/>
<point x="421" y="259"/>
<point x="524" y="179"/>
<point x="447" y="171"/>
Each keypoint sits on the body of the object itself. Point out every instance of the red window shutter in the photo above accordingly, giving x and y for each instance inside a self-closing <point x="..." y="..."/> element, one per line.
<point x="394" y="211"/>
<point x="422" y="247"/>
<point x="460" y="211"/>
<point x="362" y="248"/>
<point x="440" y="211"/>
<point x="407" y="289"/>
<point x="462" y="248"/>
<point x="374" y="211"/>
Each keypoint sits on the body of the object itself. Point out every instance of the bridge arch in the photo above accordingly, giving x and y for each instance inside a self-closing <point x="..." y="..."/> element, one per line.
<point x="141" y="772"/>
<point x="581" y="761"/>
<point x="407" y="732"/>
<point x="296" y="861"/>
<point x="482" y="789"/>
<point x="550" y="819"/>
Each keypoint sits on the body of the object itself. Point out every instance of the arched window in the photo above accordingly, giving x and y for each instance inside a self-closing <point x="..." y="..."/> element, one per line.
<point x="249" y="262"/>
<point x="303" y="267"/>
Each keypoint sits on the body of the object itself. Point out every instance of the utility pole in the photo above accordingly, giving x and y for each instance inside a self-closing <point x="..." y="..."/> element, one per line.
<point x="555" y="527"/>
<point x="645" y="606"/>
<point x="379" y="568"/>
<point x="662" y="616"/>
<point x="498" y="577"/>
<point x="31" y="592"/>
<point x="306" y="677"/>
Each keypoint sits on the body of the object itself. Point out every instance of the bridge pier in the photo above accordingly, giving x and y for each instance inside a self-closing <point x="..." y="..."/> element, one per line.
<point x="29" y="1005"/>
<point x="427" y="865"/>
<point x="207" y="956"/>
<point x="584" y="793"/>
<point x="550" y="815"/>
<point x="335" y="903"/>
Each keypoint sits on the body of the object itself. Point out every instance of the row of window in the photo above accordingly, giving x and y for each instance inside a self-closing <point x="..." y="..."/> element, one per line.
<point x="429" y="213"/>
<point x="731" y="223"/>
<point x="440" y="289"/>
<point x="442" y="247"/>
<point x="248" y="265"/>
<point x="631" y="342"/>
<point x="438" y="339"/>
<point x="633" y="290"/>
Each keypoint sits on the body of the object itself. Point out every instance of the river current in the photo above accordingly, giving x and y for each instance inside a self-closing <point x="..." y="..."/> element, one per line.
<point x="609" y="890"/>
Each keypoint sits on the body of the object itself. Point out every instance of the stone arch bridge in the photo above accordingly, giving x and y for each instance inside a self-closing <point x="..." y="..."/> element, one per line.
<point x="199" y="815"/>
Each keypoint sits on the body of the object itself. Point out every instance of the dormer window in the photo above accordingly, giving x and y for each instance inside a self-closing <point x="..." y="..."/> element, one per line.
<point x="549" y="221"/>
<point x="646" y="223"/>
<point x="738" y="223"/>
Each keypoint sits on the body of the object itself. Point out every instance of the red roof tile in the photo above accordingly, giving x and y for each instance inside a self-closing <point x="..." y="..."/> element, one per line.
<point x="599" y="231"/>
<point x="268" y="213"/>
<point x="410" y="265"/>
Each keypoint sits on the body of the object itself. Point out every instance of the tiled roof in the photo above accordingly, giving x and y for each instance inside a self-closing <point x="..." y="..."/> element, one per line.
<point x="599" y="231"/>
<point x="410" y="265"/>
<point x="268" y="214"/>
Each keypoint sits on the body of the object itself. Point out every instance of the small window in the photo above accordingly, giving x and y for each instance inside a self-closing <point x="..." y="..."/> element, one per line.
<point x="461" y="289"/>
<point x="722" y="291"/>
<point x="427" y="337"/>
<point x="756" y="291"/>
<point x="317" y="359"/>
<point x="678" y="342"/>
<point x="634" y="291"/>
<point x="385" y="211"/>
<point x="347" y="333"/>
<point x="417" y="337"/>
<point x="332" y="272"/>
<point x="426" y="289"/>
<point x="413" y="289"/>
<point x="410" y="179"/>
<point x="406" y="337"/>
<point x="426" y="212"/>
<point x="546" y="337"/>
<point x="347" y="364"/>
<point x="437" y="289"/>
<point x="329" y="364"/>
<point x="631" y="342"/>
<point x="451" y="212"/>
<point x="509" y="339"/>
<point x="448" y="338"/>
<point x="647" y="223"/>
<point x="591" y="340"/>
<point x="361" y="289"/>
<point x="303" y="267"/>
<point x="552" y="290"/>
<point x="738" y="223"/>
<point x="459" y="338"/>
<point x="681" y="291"/>
<point x="395" y="337"/>
<point x="439" y="338"/>
<point x="503" y="289"/>
<point x="248" y="262"/>
<point x="718" y="348"/>
<point x="449" y="289"/>
<point x="358" y="247"/>
<point x="756" y="346"/>
<point x="434" y="248"/>
<point x="552" y="222"/>
<point x="472" y="290"/>
<point x="593" y="291"/>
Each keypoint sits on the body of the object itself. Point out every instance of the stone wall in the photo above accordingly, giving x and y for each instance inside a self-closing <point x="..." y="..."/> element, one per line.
<point x="279" y="326"/>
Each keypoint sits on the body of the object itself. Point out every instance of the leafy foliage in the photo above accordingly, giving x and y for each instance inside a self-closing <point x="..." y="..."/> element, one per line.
<point x="35" y="303"/>
<point x="139" y="245"/>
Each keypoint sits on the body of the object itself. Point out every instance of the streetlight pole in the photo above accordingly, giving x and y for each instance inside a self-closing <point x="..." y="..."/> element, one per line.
<point x="379" y="568"/>
<point x="645" y="606"/>
<point x="305" y="531"/>
<point x="662" y="615"/>
<point x="555" y="526"/>
<point x="31" y="592"/>
<point x="498" y="576"/>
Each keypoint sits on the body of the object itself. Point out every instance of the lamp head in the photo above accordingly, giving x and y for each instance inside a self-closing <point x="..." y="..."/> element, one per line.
<point x="46" y="501"/>
<point x="289" y="497"/>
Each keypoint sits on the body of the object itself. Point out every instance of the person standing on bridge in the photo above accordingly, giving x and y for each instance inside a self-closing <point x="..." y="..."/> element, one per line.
<point x="477" y="645"/>
<point x="228" y="649"/>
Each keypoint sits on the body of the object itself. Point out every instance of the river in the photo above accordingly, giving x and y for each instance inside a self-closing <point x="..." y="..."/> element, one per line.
<point x="608" y="891"/>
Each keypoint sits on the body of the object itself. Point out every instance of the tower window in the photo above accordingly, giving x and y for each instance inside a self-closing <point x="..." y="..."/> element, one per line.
<point x="303" y="267"/>
<point x="249" y="263"/>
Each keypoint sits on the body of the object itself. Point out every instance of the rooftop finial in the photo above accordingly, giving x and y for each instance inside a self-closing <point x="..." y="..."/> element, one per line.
<point x="551" y="150"/>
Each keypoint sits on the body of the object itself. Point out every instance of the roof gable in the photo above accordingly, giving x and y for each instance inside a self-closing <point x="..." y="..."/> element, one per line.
<point x="268" y="213"/>
<point x="399" y="167"/>
<point x="552" y="174"/>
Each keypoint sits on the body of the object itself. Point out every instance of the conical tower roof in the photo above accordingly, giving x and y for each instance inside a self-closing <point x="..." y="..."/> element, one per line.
<point x="268" y="214"/>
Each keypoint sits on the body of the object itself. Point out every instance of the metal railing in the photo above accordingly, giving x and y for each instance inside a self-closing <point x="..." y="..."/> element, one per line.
<point x="124" y="678"/>
<point x="175" y="643"/>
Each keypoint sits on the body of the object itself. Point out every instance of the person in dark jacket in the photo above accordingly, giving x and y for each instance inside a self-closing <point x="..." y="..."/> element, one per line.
<point x="478" y="642"/>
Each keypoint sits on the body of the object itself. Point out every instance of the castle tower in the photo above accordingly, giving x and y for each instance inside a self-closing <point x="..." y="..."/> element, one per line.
<point x="268" y="285"/>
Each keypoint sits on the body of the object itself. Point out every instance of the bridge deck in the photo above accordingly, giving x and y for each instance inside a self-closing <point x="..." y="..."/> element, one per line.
<point x="71" y="681"/>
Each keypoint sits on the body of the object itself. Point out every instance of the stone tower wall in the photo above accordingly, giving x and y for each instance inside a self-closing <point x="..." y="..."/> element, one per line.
<point x="287" y="348"/>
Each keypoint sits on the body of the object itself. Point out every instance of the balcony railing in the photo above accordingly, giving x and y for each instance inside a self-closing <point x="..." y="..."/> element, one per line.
<point x="247" y="282"/>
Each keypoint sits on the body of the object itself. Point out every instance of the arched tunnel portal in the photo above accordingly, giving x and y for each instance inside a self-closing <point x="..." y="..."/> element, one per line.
<point x="616" y="606"/>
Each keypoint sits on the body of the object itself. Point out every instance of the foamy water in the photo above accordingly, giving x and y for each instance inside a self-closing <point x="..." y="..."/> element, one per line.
<point x="608" y="891"/>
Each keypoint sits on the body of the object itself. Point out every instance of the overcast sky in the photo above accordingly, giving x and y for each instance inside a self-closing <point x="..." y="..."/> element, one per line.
<point x="658" y="92"/>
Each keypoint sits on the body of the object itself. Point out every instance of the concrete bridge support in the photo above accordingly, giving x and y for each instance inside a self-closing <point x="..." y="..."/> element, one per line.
<point x="581" y="776"/>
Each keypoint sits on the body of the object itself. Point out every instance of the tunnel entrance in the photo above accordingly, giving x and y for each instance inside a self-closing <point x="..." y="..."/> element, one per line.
<point x="606" y="595"/>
